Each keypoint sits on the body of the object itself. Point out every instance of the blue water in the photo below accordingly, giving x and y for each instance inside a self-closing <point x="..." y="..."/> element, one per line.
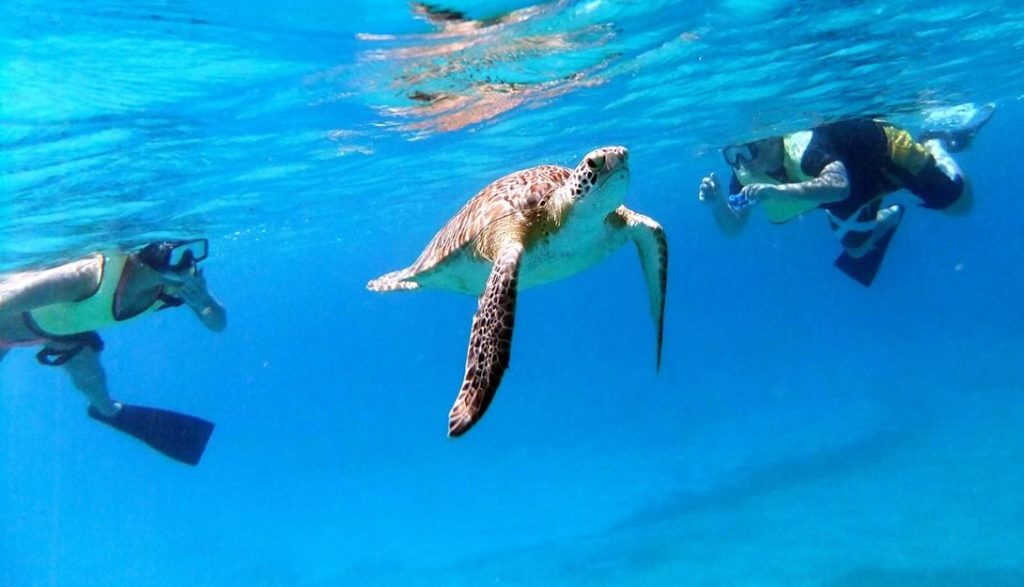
<point x="803" y="430"/>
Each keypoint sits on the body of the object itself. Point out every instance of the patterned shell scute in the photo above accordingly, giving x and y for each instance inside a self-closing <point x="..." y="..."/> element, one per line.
<point x="516" y="192"/>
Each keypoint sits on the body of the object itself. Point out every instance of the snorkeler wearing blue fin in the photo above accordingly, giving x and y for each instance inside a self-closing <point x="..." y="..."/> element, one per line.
<point x="845" y="168"/>
<point x="62" y="307"/>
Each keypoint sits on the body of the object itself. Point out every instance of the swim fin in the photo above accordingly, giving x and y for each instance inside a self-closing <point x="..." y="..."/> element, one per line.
<point x="864" y="269"/>
<point x="956" y="125"/>
<point x="179" y="436"/>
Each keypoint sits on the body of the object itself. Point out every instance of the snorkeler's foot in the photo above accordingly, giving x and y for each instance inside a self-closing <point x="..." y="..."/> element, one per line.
<point x="888" y="218"/>
<point x="956" y="126"/>
<point x="863" y="269"/>
<point x="105" y="407"/>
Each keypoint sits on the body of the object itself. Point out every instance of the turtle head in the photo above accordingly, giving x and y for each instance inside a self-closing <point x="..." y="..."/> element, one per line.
<point x="601" y="178"/>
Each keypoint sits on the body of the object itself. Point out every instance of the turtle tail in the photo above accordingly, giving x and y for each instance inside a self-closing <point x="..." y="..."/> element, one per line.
<point x="394" y="281"/>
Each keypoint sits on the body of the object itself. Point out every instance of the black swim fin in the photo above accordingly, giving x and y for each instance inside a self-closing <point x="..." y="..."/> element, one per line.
<point x="957" y="125"/>
<point x="864" y="269"/>
<point x="179" y="436"/>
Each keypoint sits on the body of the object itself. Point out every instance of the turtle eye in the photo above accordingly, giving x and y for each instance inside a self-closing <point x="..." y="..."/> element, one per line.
<point x="595" y="162"/>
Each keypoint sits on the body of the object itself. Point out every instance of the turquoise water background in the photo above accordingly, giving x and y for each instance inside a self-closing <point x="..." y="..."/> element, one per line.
<point x="803" y="430"/>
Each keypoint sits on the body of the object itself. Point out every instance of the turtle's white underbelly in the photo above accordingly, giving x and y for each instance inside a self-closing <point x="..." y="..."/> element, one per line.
<point x="460" y="272"/>
<point x="574" y="248"/>
<point x="566" y="253"/>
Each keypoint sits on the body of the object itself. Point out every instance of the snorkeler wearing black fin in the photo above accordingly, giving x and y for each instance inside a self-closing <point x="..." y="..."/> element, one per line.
<point x="864" y="268"/>
<point x="61" y="308"/>
<point x="956" y="126"/>
<point x="846" y="168"/>
<point x="179" y="436"/>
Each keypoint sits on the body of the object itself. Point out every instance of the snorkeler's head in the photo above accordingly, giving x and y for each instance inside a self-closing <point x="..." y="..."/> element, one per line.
<point x="736" y="155"/>
<point x="757" y="156"/>
<point x="174" y="256"/>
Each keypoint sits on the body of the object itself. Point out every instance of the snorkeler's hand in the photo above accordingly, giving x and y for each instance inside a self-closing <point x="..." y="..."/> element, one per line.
<point x="740" y="202"/>
<point x="710" y="188"/>
<point x="198" y="297"/>
<point x="193" y="287"/>
<point x="752" y="194"/>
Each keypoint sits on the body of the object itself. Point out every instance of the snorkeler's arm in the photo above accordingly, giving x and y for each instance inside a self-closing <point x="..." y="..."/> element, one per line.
<point x="70" y="282"/>
<point x="729" y="221"/>
<point x="201" y="302"/>
<point x="831" y="185"/>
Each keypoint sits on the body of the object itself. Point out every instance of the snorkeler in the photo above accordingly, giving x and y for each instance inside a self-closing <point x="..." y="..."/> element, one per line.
<point x="846" y="168"/>
<point x="61" y="308"/>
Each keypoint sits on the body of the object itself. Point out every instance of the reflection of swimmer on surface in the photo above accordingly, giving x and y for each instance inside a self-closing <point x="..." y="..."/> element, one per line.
<point x="454" y="77"/>
<point x="847" y="168"/>
<point x="62" y="307"/>
<point x="455" y="22"/>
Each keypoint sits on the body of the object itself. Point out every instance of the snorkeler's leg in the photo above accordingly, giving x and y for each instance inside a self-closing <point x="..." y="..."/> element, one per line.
<point x="928" y="171"/>
<point x="943" y="160"/>
<point x="856" y="232"/>
<point x="859" y="243"/>
<point x="864" y="251"/>
<point x="948" y="190"/>
<point x="956" y="125"/>
<point x="179" y="436"/>
<point x="89" y="377"/>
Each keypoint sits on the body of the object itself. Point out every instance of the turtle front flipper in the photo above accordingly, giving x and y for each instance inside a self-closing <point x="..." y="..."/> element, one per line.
<point x="649" y="238"/>
<point x="394" y="281"/>
<point x="490" y="341"/>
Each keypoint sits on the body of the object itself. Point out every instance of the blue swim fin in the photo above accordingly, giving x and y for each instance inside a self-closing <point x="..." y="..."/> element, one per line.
<point x="956" y="125"/>
<point x="179" y="436"/>
<point x="864" y="269"/>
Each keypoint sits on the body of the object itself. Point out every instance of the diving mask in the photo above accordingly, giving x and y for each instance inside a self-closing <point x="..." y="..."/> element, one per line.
<point x="174" y="256"/>
<point x="739" y="155"/>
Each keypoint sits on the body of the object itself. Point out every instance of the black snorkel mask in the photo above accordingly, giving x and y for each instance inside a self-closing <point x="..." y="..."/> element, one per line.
<point x="174" y="257"/>
<point x="740" y="155"/>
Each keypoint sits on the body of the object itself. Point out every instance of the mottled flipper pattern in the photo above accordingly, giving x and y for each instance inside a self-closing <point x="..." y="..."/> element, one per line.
<point x="649" y="238"/>
<point x="490" y="342"/>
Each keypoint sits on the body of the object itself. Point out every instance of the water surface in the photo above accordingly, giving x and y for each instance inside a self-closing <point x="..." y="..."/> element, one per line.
<point x="802" y="430"/>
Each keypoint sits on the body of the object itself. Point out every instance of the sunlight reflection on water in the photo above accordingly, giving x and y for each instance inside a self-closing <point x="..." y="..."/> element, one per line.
<point x="291" y="120"/>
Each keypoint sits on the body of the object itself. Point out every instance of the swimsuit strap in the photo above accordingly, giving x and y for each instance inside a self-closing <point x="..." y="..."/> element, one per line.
<point x="54" y="357"/>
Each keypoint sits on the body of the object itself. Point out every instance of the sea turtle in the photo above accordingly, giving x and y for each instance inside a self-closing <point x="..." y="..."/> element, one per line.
<point x="527" y="228"/>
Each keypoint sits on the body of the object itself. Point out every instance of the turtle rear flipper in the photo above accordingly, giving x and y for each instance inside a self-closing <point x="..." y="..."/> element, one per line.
<point x="490" y="342"/>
